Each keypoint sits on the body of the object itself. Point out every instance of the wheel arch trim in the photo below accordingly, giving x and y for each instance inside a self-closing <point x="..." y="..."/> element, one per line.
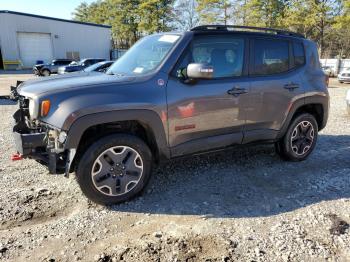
<point x="321" y="100"/>
<point x="148" y="118"/>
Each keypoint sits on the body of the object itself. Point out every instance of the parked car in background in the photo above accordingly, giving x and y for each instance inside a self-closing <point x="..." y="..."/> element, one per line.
<point x="171" y="95"/>
<point x="51" y="68"/>
<point x="80" y="65"/>
<point x="98" y="67"/>
<point x="328" y="70"/>
<point x="348" y="101"/>
<point x="344" y="76"/>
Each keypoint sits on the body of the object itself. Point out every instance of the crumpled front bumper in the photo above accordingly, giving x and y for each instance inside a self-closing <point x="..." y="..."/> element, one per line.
<point x="26" y="144"/>
<point x="36" y="144"/>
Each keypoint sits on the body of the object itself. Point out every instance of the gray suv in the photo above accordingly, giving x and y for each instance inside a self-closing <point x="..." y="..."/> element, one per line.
<point x="172" y="95"/>
<point x="51" y="68"/>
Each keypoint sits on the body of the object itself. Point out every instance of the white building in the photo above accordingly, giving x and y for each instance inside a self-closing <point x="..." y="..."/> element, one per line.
<point x="27" y="38"/>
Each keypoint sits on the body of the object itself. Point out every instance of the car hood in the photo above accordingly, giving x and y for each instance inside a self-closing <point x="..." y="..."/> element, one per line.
<point x="54" y="84"/>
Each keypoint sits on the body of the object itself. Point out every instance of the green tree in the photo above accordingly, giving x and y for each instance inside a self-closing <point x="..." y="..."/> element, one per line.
<point x="155" y="15"/>
<point x="215" y="11"/>
<point x="82" y="12"/>
<point x="130" y="19"/>
<point x="313" y="18"/>
<point x="339" y="38"/>
<point x="264" y="13"/>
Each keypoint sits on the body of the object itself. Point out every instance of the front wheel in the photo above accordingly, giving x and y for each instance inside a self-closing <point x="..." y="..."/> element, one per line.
<point x="114" y="169"/>
<point x="300" y="138"/>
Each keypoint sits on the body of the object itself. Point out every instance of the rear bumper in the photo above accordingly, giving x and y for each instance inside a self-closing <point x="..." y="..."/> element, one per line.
<point x="344" y="79"/>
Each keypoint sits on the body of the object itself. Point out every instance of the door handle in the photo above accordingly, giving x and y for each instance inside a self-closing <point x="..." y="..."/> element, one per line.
<point x="236" y="91"/>
<point x="291" y="86"/>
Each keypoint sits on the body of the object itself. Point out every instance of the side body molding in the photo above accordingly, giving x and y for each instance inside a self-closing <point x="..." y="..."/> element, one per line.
<point x="147" y="118"/>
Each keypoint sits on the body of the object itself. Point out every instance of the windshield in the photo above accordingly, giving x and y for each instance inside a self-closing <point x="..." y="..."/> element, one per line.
<point x="145" y="56"/>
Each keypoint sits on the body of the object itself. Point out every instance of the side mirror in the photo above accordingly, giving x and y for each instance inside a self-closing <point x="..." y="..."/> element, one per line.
<point x="200" y="71"/>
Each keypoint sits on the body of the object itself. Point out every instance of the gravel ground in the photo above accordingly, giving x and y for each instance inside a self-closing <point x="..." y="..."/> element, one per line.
<point x="245" y="204"/>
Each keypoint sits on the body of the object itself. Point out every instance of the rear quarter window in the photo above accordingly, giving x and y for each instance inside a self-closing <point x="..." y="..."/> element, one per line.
<point x="299" y="54"/>
<point x="271" y="56"/>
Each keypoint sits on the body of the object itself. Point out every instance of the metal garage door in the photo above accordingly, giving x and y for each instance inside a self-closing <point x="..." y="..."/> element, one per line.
<point x="33" y="47"/>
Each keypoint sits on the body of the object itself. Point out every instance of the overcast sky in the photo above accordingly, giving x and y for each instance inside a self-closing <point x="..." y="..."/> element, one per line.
<point x="54" y="8"/>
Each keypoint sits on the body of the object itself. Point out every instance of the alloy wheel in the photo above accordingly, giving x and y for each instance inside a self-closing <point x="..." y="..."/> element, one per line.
<point x="117" y="170"/>
<point x="302" y="138"/>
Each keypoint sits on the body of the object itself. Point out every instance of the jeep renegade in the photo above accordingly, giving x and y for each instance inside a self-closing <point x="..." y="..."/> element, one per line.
<point x="171" y="95"/>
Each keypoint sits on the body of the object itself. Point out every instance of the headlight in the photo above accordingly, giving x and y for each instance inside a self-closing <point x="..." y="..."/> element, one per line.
<point x="31" y="108"/>
<point x="62" y="137"/>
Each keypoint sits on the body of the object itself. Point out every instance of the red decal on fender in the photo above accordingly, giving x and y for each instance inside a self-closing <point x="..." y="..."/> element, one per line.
<point x="179" y="128"/>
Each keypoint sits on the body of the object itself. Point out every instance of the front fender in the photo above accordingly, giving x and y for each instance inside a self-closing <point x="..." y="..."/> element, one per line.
<point x="148" y="118"/>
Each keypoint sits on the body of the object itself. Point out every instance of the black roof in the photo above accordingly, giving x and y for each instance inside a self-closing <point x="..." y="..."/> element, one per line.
<point x="239" y="28"/>
<point x="52" y="18"/>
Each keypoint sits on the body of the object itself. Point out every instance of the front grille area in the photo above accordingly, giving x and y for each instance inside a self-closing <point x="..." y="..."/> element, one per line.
<point x="23" y="102"/>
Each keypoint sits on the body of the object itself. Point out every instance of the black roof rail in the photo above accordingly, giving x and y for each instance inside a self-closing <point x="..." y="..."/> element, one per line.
<point x="250" y="28"/>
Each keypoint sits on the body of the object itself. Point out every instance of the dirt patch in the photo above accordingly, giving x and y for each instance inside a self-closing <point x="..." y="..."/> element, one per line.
<point x="339" y="226"/>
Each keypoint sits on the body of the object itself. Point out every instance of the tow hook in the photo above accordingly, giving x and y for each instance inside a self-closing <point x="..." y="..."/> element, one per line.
<point x="16" y="157"/>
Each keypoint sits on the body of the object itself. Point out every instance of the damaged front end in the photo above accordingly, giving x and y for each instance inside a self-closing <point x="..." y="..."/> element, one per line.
<point x="39" y="141"/>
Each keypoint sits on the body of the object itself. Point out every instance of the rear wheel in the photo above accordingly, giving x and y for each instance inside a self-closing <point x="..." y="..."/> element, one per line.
<point x="46" y="72"/>
<point x="300" y="138"/>
<point x="114" y="169"/>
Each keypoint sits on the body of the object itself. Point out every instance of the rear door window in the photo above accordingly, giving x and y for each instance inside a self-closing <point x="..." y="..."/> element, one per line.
<point x="271" y="56"/>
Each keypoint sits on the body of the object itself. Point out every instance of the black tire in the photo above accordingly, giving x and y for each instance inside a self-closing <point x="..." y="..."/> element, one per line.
<point x="85" y="175"/>
<point x="341" y="82"/>
<point x="300" y="148"/>
<point x="45" y="72"/>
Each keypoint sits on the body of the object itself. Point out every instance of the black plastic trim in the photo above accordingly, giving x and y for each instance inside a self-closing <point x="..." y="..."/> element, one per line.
<point x="147" y="118"/>
<point x="26" y="143"/>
